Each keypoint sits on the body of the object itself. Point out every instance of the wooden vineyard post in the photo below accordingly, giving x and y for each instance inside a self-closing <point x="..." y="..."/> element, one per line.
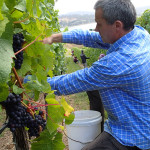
<point x="20" y="139"/>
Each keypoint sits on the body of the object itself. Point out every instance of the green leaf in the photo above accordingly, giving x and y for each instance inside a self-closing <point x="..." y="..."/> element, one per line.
<point x="4" y="8"/>
<point x="10" y="4"/>
<point x="17" y="90"/>
<point x="1" y="4"/>
<point x="6" y="54"/>
<point x="29" y="6"/>
<point x="31" y="28"/>
<point x="26" y="66"/>
<point x="3" y="25"/>
<point x="50" y="73"/>
<point x="41" y="73"/>
<point x="4" y="91"/>
<point x="46" y="59"/>
<point x="17" y="14"/>
<point x="35" y="50"/>
<point x="68" y="109"/>
<point x="69" y="119"/>
<point x="8" y="34"/>
<point x="36" y="95"/>
<point x="48" y="141"/>
<point x="35" y="85"/>
<point x="55" y="113"/>
<point x="21" y="6"/>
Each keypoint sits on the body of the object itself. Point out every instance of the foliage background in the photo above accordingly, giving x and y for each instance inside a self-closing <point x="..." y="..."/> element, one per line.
<point x="92" y="53"/>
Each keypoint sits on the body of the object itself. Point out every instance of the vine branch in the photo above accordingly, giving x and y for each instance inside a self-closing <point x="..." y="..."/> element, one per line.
<point x="17" y="77"/>
<point x="21" y="20"/>
<point x="28" y="45"/>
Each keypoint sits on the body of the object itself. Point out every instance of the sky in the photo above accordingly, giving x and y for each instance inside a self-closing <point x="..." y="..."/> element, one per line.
<point x="66" y="6"/>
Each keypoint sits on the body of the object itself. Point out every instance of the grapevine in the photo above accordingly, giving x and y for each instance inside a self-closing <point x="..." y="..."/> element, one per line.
<point x="20" y="117"/>
<point x="23" y="24"/>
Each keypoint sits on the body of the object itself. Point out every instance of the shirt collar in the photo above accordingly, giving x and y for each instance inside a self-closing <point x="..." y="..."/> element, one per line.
<point x="118" y="43"/>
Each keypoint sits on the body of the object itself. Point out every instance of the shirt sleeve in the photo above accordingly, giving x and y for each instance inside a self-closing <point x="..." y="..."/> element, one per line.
<point x="84" y="37"/>
<point x="105" y="73"/>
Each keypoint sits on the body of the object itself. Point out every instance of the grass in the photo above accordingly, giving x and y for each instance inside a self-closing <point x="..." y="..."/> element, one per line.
<point x="71" y="66"/>
<point x="81" y="101"/>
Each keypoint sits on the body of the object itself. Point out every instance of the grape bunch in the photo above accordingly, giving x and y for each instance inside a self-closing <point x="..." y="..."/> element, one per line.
<point x="18" y="40"/>
<point x="20" y="117"/>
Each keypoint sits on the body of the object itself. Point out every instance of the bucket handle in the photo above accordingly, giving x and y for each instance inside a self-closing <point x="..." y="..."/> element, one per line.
<point x="79" y="141"/>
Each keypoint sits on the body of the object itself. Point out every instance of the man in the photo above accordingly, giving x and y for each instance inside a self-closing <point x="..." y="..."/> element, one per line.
<point x="75" y="59"/>
<point x="122" y="76"/>
<point x="83" y="58"/>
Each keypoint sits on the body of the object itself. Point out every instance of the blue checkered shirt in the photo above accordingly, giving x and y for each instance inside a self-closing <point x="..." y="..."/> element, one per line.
<point x="123" y="80"/>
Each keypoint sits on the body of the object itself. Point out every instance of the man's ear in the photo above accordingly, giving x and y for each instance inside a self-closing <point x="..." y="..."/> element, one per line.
<point x="118" y="25"/>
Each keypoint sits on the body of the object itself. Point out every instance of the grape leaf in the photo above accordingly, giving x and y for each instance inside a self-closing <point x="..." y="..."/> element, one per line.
<point x="8" y="34"/>
<point x="17" y="14"/>
<point x="4" y="91"/>
<point x="10" y="4"/>
<point x="36" y="49"/>
<point x="17" y="90"/>
<point x="36" y="94"/>
<point x="55" y="113"/>
<point x="52" y="2"/>
<point x="50" y="73"/>
<point x="21" y="5"/>
<point x="3" y="25"/>
<point x="68" y="109"/>
<point x="41" y="73"/>
<point x="46" y="59"/>
<point x="69" y="119"/>
<point x="29" y="7"/>
<point x="31" y="28"/>
<point x="6" y="54"/>
<point x="26" y="66"/>
<point x="4" y="8"/>
<point x="1" y="4"/>
<point x="48" y="141"/>
<point x="35" y="85"/>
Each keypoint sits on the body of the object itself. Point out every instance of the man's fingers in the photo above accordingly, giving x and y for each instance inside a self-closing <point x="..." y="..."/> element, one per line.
<point x="46" y="41"/>
<point x="40" y="40"/>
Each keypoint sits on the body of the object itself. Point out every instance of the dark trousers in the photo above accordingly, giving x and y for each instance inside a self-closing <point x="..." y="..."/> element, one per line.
<point x="96" y="104"/>
<point x="107" y="142"/>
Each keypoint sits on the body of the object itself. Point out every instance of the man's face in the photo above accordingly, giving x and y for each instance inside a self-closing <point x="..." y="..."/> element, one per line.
<point x="107" y="31"/>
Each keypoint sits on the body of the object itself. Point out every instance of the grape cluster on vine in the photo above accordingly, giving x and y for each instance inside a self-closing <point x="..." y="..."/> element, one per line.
<point x="18" y="40"/>
<point x="19" y="116"/>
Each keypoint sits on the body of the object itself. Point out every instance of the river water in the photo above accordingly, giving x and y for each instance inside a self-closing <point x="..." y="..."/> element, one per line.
<point x="88" y="26"/>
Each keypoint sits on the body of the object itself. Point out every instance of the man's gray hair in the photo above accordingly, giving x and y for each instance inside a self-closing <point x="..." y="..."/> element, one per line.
<point x="122" y="10"/>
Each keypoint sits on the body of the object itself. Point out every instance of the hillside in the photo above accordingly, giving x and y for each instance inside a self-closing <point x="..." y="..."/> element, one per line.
<point x="74" y="19"/>
<point x="79" y="18"/>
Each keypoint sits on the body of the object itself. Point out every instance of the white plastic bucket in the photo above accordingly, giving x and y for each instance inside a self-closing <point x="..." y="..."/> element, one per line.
<point x="84" y="129"/>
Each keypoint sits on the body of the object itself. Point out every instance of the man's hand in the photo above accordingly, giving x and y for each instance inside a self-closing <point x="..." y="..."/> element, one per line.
<point x="54" y="38"/>
<point x="48" y="40"/>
